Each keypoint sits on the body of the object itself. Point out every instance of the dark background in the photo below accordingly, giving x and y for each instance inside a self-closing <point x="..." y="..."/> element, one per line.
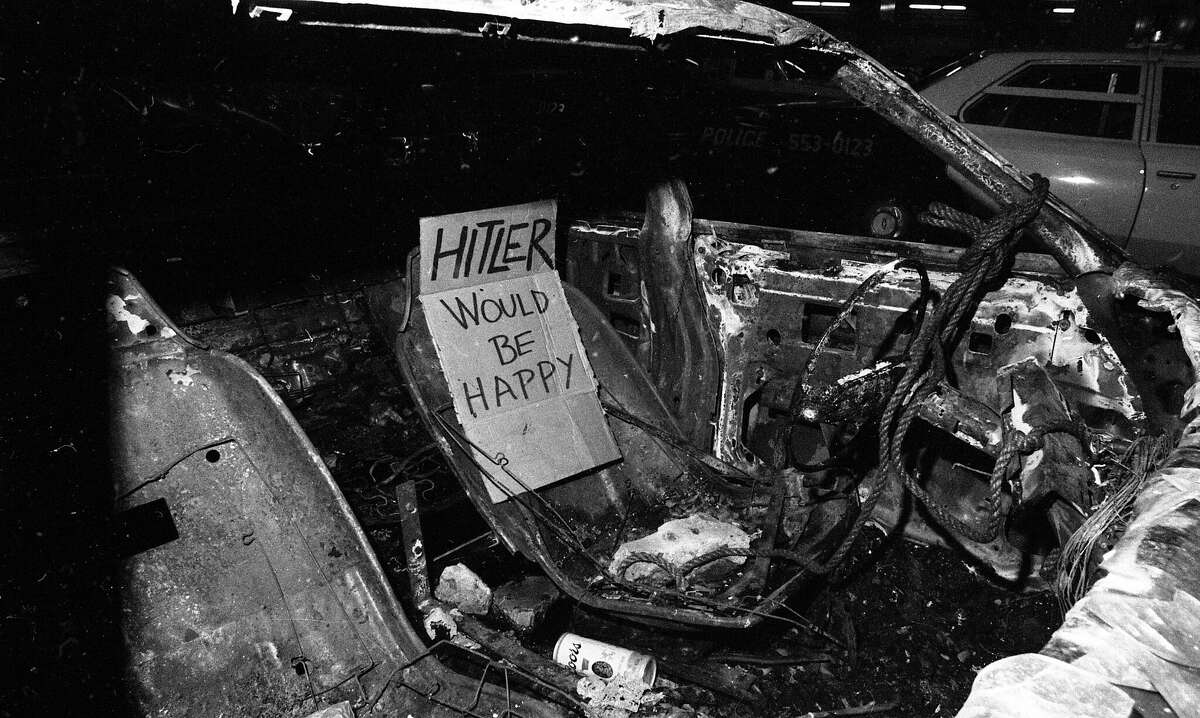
<point x="918" y="41"/>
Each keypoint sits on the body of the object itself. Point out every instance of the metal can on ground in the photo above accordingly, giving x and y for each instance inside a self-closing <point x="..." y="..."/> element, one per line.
<point x="590" y="657"/>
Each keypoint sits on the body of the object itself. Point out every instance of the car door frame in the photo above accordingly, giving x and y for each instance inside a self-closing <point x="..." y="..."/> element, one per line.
<point x="1157" y="66"/>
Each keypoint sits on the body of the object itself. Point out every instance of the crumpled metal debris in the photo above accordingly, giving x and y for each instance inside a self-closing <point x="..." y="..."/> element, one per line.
<point x="462" y="587"/>
<point x="1156" y="294"/>
<point x="1137" y="628"/>
<point x="655" y="19"/>
<point x="617" y="697"/>
<point x="441" y="622"/>
<point x="525" y="603"/>
<point x="338" y="710"/>
<point x="1035" y="686"/>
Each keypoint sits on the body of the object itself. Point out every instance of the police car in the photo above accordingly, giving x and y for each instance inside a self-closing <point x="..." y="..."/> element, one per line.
<point x="1117" y="133"/>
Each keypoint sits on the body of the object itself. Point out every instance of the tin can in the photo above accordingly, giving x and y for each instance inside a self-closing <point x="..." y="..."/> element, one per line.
<point x="604" y="660"/>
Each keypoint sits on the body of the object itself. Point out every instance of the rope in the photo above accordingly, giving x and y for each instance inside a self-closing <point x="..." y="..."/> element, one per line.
<point x="730" y="552"/>
<point x="679" y="574"/>
<point x="803" y="390"/>
<point x="984" y="261"/>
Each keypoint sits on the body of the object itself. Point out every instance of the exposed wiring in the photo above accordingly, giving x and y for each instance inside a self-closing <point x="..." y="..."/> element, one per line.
<point x="1129" y="474"/>
<point x="804" y="390"/>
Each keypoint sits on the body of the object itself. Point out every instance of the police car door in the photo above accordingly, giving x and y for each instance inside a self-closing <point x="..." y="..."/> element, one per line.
<point x="1167" y="230"/>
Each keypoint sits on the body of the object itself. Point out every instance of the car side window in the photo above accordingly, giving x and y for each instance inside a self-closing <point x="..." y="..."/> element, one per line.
<point x="1074" y="99"/>
<point x="1089" y="118"/>
<point x="1179" y="118"/>
<point x="1109" y="79"/>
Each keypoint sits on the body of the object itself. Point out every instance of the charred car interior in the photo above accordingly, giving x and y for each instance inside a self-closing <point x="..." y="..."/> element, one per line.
<point x="848" y="370"/>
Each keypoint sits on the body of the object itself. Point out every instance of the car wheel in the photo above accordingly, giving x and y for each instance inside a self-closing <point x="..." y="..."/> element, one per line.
<point x="889" y="219"/>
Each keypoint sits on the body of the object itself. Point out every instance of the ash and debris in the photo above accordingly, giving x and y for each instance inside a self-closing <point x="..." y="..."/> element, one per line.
<point x="902" y="633"/>
<point x="618" y="697"/>
<point x="462" y="587"/>
<point x="525" y="603"/>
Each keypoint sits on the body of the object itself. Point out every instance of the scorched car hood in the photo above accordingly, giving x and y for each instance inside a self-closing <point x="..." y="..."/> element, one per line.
<point x="642" y="19"/>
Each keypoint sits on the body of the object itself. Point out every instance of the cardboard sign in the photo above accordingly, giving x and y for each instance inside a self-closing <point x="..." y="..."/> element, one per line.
<point x="510" y="351"/>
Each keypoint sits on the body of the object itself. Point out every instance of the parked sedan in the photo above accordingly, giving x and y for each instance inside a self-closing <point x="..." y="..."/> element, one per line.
<point x="1117" y="133"/>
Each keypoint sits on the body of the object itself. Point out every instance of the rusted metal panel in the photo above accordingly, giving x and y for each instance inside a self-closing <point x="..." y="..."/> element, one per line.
<point x="682" y="360"/>
<point x="764" y="311"/>
<point x="269" y="601"/>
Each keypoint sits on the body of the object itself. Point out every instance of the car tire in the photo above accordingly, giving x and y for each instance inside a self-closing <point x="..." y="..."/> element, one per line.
<point x="888" y="219"/>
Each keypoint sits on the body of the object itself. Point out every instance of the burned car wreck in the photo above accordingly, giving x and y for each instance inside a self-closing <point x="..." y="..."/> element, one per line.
<point x="766" y="397"/>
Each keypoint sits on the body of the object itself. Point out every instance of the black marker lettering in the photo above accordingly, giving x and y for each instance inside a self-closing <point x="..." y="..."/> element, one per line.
<point x="501" y="392"/>
<point x="512" y="244"/>
<point x="505" y="351"/>
<point x="490" y="226"/>
<point x="496" y="247"/>
<point x="546" y="370"/>
<point x="568" y="365"/>
<point x="483" y="310"/>
<point x="471" y="397"/>
<point x="523" y="342"/>
<point x="470" y="251"/>
<point x="541" y="228"/>
<point x="519" y="306"/>
<point x="509" y="311"/>
<point x="439" y="254"/>
<point x="463" y="310"/>
<point x="524" y="376"/>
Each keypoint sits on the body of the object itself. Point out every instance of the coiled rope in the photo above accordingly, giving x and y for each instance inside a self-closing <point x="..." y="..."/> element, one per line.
<point x="680" y="573"/>
<point x="993" y="244"/>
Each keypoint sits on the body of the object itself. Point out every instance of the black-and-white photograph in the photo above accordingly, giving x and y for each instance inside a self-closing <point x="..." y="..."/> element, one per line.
<point x="600" y="359"/>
